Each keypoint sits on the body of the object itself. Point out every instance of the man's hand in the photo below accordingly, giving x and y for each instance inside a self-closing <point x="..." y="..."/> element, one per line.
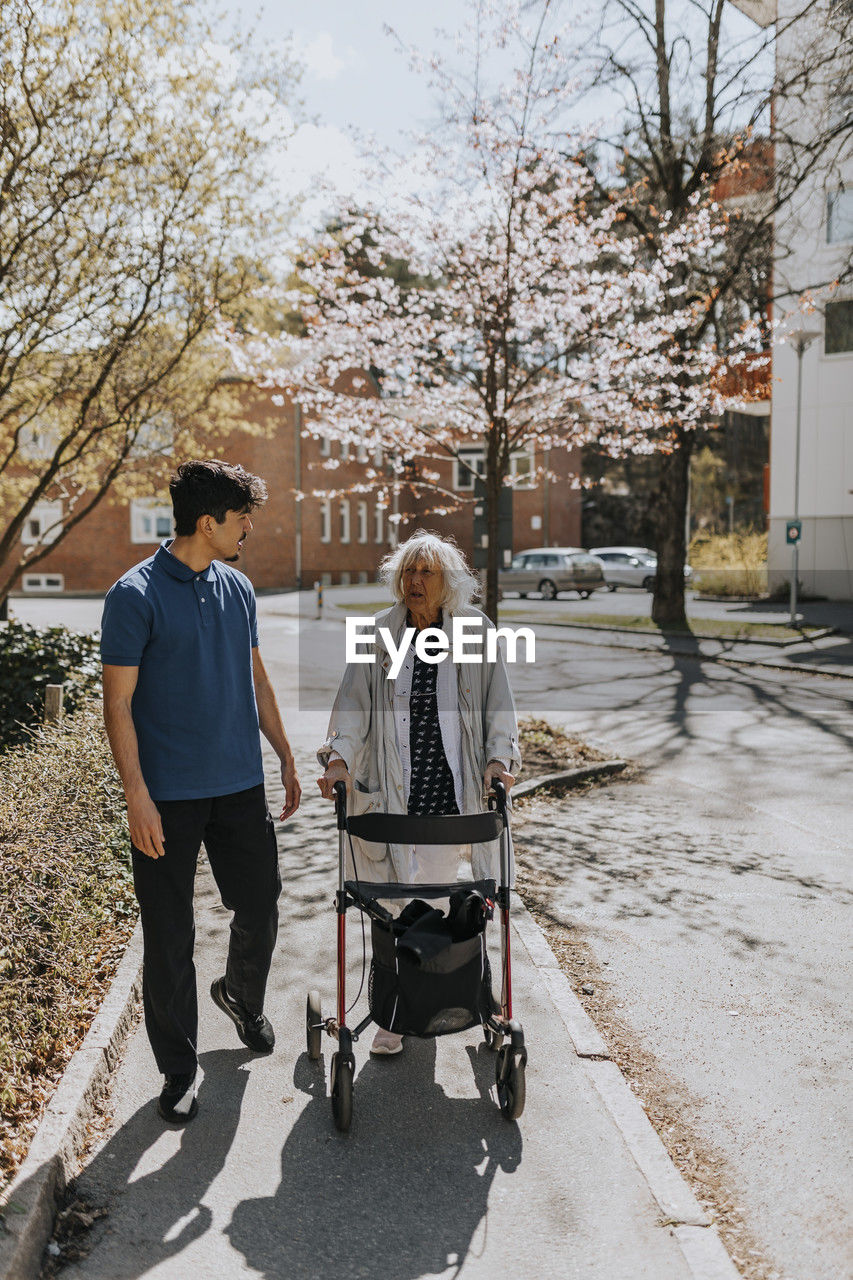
<point x="495" y="769"/>
<point x="336" y="771"/>
<point x="146" y="827"/>
<point x="292" y="789"/>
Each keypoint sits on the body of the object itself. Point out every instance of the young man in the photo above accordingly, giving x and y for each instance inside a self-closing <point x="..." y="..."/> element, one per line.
<point x="185" y="694"/>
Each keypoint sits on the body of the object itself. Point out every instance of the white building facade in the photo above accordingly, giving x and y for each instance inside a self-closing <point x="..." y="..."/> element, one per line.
<point x="813" y="248"/>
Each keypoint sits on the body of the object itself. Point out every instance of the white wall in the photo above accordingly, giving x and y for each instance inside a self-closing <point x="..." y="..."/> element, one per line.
<point x="804" y="259"/>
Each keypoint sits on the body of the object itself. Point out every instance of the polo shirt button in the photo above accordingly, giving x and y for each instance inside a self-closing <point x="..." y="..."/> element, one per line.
<point x="203" y="599"/>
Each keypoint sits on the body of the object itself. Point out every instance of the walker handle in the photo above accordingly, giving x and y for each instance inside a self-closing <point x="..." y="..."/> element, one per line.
<point x="500" y="796"/>
<point x="340" y="790"/>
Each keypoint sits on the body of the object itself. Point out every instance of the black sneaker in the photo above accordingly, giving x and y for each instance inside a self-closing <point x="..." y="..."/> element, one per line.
<point x="177" y="1103"/>
<point x="254" y="1029"/>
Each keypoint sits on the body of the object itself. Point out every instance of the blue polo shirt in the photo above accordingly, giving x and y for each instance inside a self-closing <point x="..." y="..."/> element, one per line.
<point x="191" y="635"/>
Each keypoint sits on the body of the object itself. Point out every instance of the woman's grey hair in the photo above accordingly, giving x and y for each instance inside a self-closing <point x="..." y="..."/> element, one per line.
<point x="461" y="586"/>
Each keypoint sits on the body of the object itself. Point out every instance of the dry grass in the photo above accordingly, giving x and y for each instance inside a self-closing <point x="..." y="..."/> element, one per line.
<point x="66" y="911"/>
<point x="732" y="564"/>
<point x="545" y="749"/>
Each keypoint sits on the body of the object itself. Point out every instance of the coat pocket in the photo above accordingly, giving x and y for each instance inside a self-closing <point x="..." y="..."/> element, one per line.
<point x="372" y="860"/>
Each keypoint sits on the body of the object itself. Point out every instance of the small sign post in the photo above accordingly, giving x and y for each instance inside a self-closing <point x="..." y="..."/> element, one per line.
<point x="793" y="534"/>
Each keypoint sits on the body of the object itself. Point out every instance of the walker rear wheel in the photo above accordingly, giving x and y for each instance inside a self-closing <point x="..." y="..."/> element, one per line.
<point x="341" y="1092"/>
<point x="509" y="1078"/>
<point x="313" y="1028"/>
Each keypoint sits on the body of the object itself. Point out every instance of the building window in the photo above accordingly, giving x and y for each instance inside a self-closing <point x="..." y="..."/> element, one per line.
<point x="522" y="468"/>
<point x="345" y="451"/>
<point x="839" y="216"/>
<point x="361" y="453"/>
<point x="379" y="525"/>
<point x="362" y="522"/>
<point x="150" y="520"/>
<point x="838" y="336"/>
<point x="469" y="462"/>
<point x="840" y="107"/>
<point x="326" y="520"/>
<point x="344" y="517"/>
<point x="156" y="436"/>
<point x="37" y="440"/>
<point x="325" y="447"/>
<point x="377" y="456"/>
<point x="43" y="525"/>
<point x="43" y="582"/>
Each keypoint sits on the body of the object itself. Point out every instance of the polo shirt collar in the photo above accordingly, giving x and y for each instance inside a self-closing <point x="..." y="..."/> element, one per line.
<point x="164" y="559"/>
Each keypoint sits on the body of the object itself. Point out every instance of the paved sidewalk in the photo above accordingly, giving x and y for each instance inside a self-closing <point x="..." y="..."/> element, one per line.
<point x="430" y="1181"/>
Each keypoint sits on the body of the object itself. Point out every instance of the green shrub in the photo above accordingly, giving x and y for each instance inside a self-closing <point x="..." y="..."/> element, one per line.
<point x="66" y="909"/>
<point x="31" y="659"/>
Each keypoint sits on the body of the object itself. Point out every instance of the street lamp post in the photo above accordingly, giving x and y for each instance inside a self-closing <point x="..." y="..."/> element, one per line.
<point x="801" y="340"/>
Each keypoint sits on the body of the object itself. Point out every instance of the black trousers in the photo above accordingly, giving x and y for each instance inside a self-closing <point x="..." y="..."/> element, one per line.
<point x="239" y="837"/>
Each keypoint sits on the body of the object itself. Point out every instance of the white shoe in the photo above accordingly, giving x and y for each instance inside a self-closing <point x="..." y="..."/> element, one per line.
<point x="386" y="1043"/>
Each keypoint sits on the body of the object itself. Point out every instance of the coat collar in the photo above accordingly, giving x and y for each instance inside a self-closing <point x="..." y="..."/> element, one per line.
<point x="394" y="620"/>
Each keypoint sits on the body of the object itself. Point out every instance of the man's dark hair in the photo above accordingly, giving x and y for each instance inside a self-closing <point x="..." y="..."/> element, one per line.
<point x="212" y="488"/>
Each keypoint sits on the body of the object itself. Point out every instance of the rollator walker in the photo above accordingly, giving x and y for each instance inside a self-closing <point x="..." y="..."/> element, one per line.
<point x="430" y="972"/>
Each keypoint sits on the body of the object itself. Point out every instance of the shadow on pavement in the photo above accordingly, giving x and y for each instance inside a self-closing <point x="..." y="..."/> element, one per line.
<point x="165" y="1205"/>
<point x="411" y="1180"/>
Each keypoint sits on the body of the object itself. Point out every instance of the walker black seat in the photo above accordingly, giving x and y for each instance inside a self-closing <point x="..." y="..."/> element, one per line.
<point x="403" y="828"/>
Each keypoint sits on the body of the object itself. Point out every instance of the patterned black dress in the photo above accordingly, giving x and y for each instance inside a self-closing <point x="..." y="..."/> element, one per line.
<point x="431" y="788"/>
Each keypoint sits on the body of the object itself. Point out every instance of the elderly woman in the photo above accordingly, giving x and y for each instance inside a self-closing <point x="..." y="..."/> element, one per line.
<point x="430" y="741"/>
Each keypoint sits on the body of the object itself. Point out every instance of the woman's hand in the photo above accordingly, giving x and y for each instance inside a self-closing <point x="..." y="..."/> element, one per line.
<point x="336" y="771"/>
<point x="495" y="769"/>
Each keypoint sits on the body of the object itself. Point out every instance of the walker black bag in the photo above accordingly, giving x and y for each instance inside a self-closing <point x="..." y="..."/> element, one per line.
<point x="428" y="986"/>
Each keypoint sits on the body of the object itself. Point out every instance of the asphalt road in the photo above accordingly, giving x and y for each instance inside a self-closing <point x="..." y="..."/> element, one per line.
<point x="717" y="892"/>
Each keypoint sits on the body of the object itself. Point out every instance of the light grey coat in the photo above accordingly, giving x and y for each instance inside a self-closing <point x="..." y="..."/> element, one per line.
<point x="362" y="730"/>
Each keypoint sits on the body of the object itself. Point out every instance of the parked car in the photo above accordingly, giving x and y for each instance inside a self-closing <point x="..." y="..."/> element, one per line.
<point x="631" y="567"/>
<point x="550" y="570"/>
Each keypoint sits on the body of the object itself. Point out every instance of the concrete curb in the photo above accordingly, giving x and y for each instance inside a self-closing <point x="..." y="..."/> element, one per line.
<point x="833" y="672"/>
<point x="586" y="772"/>
<point x="698" y="1239"/>
<point x="29" y="1205"/>
<point x="829" y="672"/>
<point x="580" y="625"/>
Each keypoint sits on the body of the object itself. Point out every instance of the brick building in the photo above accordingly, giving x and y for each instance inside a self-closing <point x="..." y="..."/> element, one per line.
<point x="296" y="543"/>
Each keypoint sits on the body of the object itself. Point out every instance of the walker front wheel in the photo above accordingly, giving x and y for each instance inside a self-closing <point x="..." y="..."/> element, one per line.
<point x="342" y="1092"/>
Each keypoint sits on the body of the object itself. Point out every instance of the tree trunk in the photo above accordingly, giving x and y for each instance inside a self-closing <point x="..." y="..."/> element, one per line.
<point x="668" y="600"/>
<point x="494" y="482"/>
<point x="4" y="609"/>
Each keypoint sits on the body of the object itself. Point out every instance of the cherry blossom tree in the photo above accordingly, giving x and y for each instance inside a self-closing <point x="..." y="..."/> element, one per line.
<point x="533" y="312"/>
